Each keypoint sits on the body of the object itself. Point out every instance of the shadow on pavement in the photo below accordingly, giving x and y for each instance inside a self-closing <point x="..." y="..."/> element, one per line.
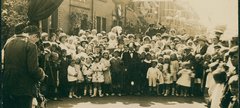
<point x="143" y="101"/>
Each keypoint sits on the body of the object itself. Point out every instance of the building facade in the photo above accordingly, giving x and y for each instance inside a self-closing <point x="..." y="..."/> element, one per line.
<point x="73" y="15"/>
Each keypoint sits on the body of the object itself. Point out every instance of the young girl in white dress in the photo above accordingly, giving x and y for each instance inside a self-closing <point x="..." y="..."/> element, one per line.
<point x="72" y="78"/>
<point x="97" y="77"/>
<point x="184" y="80"/>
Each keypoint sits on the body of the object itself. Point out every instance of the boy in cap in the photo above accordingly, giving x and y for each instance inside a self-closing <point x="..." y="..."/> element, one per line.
<point x="116" y="69"/>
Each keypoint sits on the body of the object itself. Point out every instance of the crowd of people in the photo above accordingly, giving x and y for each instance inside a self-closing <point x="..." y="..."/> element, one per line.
<point x="166" y="63"/>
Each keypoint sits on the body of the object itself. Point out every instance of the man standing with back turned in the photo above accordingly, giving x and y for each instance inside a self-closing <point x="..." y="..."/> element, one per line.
<point x="21" y="71"/>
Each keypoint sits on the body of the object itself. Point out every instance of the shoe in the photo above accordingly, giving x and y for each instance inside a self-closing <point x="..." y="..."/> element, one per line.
<point x="55" y="99"/>
<point x="112" y="94"/>
<point x="75" y="96"/>
<point x="70" y="96"/>
<point x="185" y="95"/>
<point x="92" y="96"/>
<point x="119" y="94"/>
<point x="107" y="94"/>
<point x="101" y="95"/>
<point x="177" y="94"/>
<point x="165" y="94"/>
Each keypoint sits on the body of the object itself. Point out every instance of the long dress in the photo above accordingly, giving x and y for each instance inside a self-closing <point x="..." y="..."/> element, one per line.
<point x="185" y="78"/>
<point x="174" y="68"/>
<point x="217" y="95"/>
<point x="106" y="71"/>
<point x="97" y="76"/>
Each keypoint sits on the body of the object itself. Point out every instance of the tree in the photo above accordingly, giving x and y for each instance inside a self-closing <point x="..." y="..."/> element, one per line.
<point x="13" y="12"/>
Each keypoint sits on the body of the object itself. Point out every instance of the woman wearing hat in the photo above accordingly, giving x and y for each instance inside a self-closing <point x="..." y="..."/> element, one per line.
<point x="52" y="70"/>
<point x="113" y="42"/>
<point x="63" y="41"/>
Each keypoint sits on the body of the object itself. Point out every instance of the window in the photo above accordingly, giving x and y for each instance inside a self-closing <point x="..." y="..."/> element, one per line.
<point x="101" y="24"/>
<point x="98" y="24"/>
<point x="104" y="21"/>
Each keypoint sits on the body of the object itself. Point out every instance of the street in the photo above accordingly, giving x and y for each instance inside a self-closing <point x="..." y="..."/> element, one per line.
<point x="129" y="102"/>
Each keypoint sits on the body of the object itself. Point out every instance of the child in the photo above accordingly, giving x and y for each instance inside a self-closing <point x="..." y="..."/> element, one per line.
<point x="112" y="43"/>
<point x="80" y="77"/>
<point x="184" y="80"/>
<point x="168" y="78"/>
<point x="160" y="80"/>
<point x="72" y="78"/>
<point x="98" y="77"/>
<point x="198" y="69"/>
<point x="152" y="76"/>
<point x="52" y="70"/>
<point x="106" y="72"/>
<point x="145" y="65"/>
<point x="87" y="74"/>
<point x="63" y="73"/>
<point x="174" y="68"/>
<point x="116" y="69"/>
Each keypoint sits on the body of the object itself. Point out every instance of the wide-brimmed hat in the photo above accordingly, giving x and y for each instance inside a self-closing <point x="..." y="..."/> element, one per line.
<point x="130" y="36"/>
<point x="146" y="37"/>
<point x="165" y="35"/>
<point x="82" y="41"/>
<point x="62" y="35"/>
<point x="46" y="44"/>
<point x="187" y="48"/>
<point x="105" y="52"/>
<point x="177" y="38"/>
<point x="44" y="34"/>
<point x="220" y="29"/>
<point x="158" y="34"/>
<point x="233" y="50"/>
<point x="217" y="46"/>
<point x="200" y="38"/>
<point x="59" y="29"/>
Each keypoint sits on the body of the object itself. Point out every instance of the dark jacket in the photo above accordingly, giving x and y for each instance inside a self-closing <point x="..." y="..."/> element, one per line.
<point x="21" y="69"/>
<point x="132" y="64"/>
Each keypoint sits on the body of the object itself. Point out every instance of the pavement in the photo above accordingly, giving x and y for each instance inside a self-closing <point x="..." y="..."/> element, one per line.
<point x="130" y="102"/>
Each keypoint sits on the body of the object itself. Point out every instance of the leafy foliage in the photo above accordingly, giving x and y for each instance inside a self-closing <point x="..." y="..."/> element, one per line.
<point x="79" y="20"/>
<point x="13" y="12"/>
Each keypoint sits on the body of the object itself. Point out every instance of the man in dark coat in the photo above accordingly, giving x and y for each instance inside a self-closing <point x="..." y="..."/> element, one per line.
<point x="21" y="70"/>
<point x="132" y="61"/>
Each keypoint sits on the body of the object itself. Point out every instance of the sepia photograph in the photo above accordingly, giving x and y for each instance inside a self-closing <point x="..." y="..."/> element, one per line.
<point x="119" y="54"/>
